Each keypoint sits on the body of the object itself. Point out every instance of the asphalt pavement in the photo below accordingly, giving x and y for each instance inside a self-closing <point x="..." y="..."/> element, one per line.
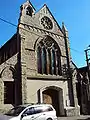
<point x="81" y="117"/>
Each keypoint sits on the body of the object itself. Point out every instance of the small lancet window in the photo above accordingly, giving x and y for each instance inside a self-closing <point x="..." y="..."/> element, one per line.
<point x="29" y="11"/>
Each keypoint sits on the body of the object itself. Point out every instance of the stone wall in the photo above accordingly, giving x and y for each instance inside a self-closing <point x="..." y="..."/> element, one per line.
<point x="6" y="75"/>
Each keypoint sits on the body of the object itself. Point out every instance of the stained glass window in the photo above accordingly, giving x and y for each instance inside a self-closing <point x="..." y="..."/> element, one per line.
<point x="48" y="57"/>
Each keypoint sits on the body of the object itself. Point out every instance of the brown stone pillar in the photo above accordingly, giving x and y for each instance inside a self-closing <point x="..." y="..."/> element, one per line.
<point x="42" y="58"/>
<point x="52" y="62"/>
<point x="56" y="62"/>
<point x="61" y="103"/>
<point x="48" y="61"/>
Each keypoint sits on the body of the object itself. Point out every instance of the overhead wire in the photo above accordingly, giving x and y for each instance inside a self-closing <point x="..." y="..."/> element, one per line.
<point x="7" y="22"/>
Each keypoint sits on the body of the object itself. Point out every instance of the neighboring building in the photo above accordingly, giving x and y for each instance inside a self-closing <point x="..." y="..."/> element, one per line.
<point x="35" y="64"/>
<point x="83" y="92"/>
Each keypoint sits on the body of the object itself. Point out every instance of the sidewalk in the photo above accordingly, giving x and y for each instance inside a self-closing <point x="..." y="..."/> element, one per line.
<point x="81" y="117"/>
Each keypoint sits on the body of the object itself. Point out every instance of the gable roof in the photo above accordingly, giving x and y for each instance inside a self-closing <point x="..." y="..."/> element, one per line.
<point x="51" y="15"/>
<point x="31" y="5"/>
<point x="28" y="2"/>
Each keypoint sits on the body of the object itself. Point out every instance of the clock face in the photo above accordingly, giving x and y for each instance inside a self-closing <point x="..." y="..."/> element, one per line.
<point x="47" y="23"/>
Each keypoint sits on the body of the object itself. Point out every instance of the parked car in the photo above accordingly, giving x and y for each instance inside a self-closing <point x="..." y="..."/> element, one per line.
<point x="32" y="112"/>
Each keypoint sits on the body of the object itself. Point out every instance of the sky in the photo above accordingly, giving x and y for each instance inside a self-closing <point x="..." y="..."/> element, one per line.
<point x="74" y="13"/>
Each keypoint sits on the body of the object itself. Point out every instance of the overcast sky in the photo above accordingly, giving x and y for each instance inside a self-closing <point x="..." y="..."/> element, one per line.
<point x="74" y="13"/>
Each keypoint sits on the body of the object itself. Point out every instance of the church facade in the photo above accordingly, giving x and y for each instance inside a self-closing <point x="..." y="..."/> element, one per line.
<point x="35" y="64"/>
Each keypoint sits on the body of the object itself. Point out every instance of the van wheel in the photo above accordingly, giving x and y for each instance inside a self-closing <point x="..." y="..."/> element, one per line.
<point x="49" y="119"/>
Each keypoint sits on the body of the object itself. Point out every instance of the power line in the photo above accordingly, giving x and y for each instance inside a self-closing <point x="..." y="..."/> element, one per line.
<point x="77" y="51"/>
<point x="6" y="21"/>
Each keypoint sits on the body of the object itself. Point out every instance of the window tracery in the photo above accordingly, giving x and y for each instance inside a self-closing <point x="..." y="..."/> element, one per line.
<point x="48" y="57"/>
<point x="46" y="22"/>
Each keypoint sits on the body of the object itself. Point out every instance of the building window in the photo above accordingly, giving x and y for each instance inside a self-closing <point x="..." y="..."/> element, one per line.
<point x="48" y="57"/>
<point x="29" y="11"/>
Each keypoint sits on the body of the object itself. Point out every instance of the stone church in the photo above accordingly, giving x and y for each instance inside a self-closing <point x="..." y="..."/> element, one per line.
<point x="36" y="64"/>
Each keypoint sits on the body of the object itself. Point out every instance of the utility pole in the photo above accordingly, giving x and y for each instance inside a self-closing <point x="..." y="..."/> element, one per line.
<point x="87" y="53"/>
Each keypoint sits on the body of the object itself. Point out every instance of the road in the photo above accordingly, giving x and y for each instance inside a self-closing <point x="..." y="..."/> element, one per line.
<point x="59" y="118"/>
<point x="86" y="117"/>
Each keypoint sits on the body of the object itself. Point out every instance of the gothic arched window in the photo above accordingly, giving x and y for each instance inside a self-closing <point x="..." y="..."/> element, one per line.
<point x="48" y="57"/>
<point x="29" y="11"/>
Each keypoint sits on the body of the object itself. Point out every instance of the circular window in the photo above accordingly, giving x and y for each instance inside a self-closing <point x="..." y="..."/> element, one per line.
<point x="47" y="23"/>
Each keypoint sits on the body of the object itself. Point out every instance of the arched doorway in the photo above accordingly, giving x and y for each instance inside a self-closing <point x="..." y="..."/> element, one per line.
<point x="55" y="97"/>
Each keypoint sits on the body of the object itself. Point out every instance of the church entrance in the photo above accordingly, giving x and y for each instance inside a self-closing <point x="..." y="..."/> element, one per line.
<point x="54" y="97"/>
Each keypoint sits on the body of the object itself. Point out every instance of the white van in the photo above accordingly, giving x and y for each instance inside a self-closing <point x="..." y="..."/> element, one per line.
<point x="32" y="112"/>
